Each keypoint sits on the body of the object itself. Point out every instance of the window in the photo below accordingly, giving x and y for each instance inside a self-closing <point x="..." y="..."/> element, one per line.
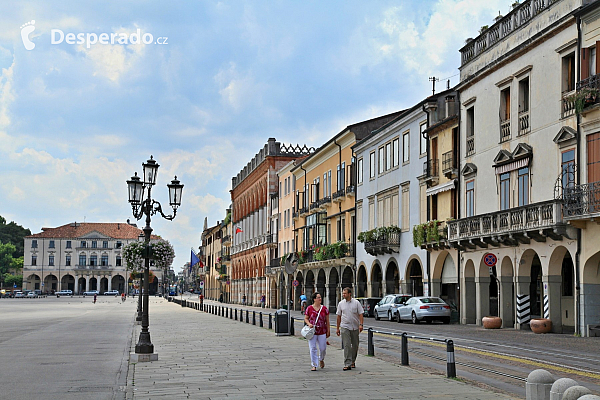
<point x="83" y="243"/>
<point x="51" y="260"/>
<point x="505" y="191"/>
<point x="51" y="244"/>
<point x="470" y="131"/>
<point x="523" y="178"/>
<point x="568" y="169"/>
<point x="33" y="260"/>
<point x="68" y="244"/>
<point x="105" y="244"/>
<point x="405" y="209"/>
<point x="396" y="151"/>
<point x="325" y="193"/>
<point x="119" y="244"/>
<point x="371" y="214"/>
<point x="388" y="156"/>
<point x="118" y="261"/>
<point x="592" y="61"/>
<point x="82" y="260"/>
<point x="568" y="73"/>
<point x="34" y="244"/>
<point x="505" y="104"/>
<point x="104" y="260"/>
<point x="381" y="160"/>
<point x="405" y="148"/>
<point x="423" y="139"/>
<point x="371" y="165"/>
<point x="360" y="171"/>
<point x="68" y="260"/>
<point x="93" y="260"/>
<point x="470" y="198"/>
<point x="94" y="244"/>
<point x="524" y="95"/>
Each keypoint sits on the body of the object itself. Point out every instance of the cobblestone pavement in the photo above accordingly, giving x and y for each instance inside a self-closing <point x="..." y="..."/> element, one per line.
<point x="204" y="356"/>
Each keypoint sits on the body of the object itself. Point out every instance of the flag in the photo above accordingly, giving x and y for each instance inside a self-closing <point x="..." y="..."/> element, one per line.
<point x="238" y="229"/>
<point x="195" y="260"/>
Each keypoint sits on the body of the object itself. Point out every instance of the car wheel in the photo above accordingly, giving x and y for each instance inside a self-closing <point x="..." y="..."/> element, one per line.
<point x="398" y="317"/>
<point x="415" y="320"/>
<point x="376" y="316"/>
<point x="390" y="316"/>
<point x="446" y="320"/>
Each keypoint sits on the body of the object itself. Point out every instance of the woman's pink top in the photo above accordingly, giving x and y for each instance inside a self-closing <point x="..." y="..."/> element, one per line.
<point x="321" y="324"/>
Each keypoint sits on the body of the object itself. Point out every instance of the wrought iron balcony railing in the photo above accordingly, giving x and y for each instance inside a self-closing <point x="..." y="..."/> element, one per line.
<point x="389" y="244"/>
<point x="337" y="196"/>
<point x="581" y="200"/>
<point x="505" y="130"/>
<point x="431" y="168"/>
<point x="325" y="200"/>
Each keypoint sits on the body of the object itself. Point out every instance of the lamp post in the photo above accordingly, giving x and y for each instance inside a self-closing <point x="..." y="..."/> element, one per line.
<point x="142" y="204"/>
<point x="141" y="238"/>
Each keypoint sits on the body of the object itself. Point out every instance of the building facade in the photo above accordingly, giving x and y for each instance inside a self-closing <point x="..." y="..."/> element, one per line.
<point x="81" y="257"/>
<point x="211" y="251"/>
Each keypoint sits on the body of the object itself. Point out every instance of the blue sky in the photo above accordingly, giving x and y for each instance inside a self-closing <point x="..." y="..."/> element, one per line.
<point x="77" y="122"/>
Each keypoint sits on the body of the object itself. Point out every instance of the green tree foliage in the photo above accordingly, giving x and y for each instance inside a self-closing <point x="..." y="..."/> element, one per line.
<point x="11" y="280"/>
<point x="13" y="234"/>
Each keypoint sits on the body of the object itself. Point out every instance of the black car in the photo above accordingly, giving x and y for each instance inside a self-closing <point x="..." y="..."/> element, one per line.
<point x="368" y="304"/>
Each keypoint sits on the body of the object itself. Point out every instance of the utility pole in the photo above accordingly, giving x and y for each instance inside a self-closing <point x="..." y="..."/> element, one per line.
<point x="433" y="80"/>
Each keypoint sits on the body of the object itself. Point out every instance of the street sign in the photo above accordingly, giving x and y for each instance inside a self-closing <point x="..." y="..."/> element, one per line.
<point x="295" y="283"/>
<point x="201" y="284"/>
<point x="490" y="259"/>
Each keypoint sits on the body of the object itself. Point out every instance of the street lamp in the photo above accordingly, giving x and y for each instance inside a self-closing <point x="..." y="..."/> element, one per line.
<point x="142" y="204"/>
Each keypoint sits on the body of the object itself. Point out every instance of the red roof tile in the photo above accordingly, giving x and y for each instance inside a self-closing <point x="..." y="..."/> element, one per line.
<point x="116" y="230"/>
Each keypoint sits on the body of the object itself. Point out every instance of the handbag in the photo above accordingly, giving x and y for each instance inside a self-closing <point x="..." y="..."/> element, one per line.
<point x="307" y="332"/>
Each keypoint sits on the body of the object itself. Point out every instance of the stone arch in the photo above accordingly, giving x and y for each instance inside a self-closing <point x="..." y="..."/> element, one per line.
<point x="34" y="281"/>
<point x="392" y="277"/>
<point x="81" y="285"/>
<point x="309" y="284"/>
<point x="67" y="282"/>
<point x="361" y="281"/>
<point x="559" y="286"/>
<point x="413" y="282"/>
<point x="348" y="278"/>
<point x="376" y="280"/>
<point x="321" y="284"/>
<point x="118" y="283"/>
<point x="93" y="283"/>
<point x="590" y="291"/>
<point x="332" y="289"/>
<point x="50" y="283"/>
<point x="103" y="286"/>
<point x="448" y="282"/>
<point x="470" y="293"/>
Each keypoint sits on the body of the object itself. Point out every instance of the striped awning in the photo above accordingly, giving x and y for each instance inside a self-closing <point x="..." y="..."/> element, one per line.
<point x="512" y="166"/>
<point x="441" y="188"/>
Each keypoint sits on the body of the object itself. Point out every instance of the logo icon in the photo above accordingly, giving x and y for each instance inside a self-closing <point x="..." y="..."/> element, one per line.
<point x="26" y="29"/>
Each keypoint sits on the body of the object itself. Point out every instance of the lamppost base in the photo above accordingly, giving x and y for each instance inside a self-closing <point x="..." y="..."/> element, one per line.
<point x="138" y="322"/>
<point x="136" y="357"/>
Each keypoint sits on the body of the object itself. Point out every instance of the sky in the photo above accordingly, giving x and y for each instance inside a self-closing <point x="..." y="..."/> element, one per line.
<point x="79" y="117"/>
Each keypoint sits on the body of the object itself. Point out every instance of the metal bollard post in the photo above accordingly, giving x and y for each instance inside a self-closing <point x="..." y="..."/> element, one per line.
<point x="292" y="333"/>
<point x="253" y="317"/>
<point x="270" y="321"/>
<point x="260" y="322"/>
<point x="370" y="345"/>
<point x="404" y="349"/>
<point x="450" y="365"/>
<point x="230" y="312"/>
<point x="241" y="315"/>
<point x="226" y="312"/>
<point x="247" y="316"/>
<point x="235" y="314"/>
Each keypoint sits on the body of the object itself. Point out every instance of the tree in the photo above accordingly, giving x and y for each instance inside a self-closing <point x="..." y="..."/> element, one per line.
<point x="6" y="257"/>
<point x="13" y="234"/>
<point x="11" y="280"/>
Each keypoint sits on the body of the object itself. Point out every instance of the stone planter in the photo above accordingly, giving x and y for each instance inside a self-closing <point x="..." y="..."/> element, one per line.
<point x="492" y="322"/>
<point x="540" y="325"/>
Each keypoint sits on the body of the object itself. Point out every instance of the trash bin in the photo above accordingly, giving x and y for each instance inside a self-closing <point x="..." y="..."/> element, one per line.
<point x="281" y="322"/>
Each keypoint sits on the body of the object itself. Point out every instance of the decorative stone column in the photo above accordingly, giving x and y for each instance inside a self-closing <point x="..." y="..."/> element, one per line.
<point x="506" y="311"/>
<point x="483" y="297"/>
<point x="436" y="288"/>
<point x="552" y="285"/>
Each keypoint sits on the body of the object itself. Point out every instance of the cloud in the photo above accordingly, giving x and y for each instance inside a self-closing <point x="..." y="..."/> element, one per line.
<point x="238" y="90"/>
<point x="6" y="94"/>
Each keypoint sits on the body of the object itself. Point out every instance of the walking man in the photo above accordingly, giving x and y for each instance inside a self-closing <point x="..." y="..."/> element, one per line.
<point x="349" y="324"/>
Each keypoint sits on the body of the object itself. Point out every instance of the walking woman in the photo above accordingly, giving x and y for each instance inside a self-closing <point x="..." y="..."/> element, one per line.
<point x="317" y="315"/>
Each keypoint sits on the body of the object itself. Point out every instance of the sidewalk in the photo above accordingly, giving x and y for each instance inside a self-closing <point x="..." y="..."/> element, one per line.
<point x="204" y="356"/>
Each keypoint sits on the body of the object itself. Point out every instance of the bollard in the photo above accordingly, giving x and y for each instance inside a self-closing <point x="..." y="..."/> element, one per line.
<point x="235" y="314"/>
<point x="450" y="365"/>
<point x="230" y="312"/>
<point x="404" y="349"/>
<point x="253" y="317"/>
<point x="539" y="383"/>
<point x="260" y="322"/>
<point x="370" y="345"/>
<point x="220" y="311"/>
<point x="270" y="321"/>
<point x="247" y="316"/>
<point x="292" y="333"/>
<point x="226" y="312"/>
<point x="241" y="315"/>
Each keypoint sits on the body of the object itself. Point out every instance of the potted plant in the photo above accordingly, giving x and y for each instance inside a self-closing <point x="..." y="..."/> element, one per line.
<point x="492" y="322"/>
<point x="540" y="325"/>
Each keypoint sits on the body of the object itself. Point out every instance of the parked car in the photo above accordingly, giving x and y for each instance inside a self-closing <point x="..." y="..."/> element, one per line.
<point x="19" y="294"/>
<point x="426" y="308"/>
<point x="111" y="293"/>
<point x="388" y="306"/>
<point x="32" y="295"/>
<point x="64" y="293"/>
<point x="90" y="293"/>
<point x="368" y="304"/>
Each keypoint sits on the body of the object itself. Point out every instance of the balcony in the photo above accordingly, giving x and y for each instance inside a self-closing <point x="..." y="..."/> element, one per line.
<point x="303" y="211"/>
<point x="271" y="240"/>
<point x="505" y="130"/>
<point x="524" y="126"/>
<point x="226" y="240"/>
<point x="510" y="227"/>
<point x="295" y="215"/>
<point x="581" y="202"/>
<point x="388" y="243"/>
<point x="274" y="267"/>
<point x="432" y="235"/>
<point x="338" y="196"/>
<point x="351" y="190"/>
<point x="449" y="167"/>
<point x="340" y="253"/>
<point x="324" y="202"/>
<point x="568" y="104"/>
<point x="470" y="145"/>
<point x="430" y="172"/>
<point x="314" y="205"/>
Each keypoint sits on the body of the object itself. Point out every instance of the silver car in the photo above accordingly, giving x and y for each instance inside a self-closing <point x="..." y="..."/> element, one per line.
<point x="426" y="308"/>
<point x="388" y="306"/>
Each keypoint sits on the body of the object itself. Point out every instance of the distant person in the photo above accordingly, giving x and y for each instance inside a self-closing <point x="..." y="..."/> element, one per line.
<point x="221" y="298"/>
<point x="302" y="303"/>
<point x="201" y="298"/>
<point x="244" y="300"/>
<point x="123" y="297"/>
<point x="350" y="321"/>
<point x="317" y="316"/>
<point x="95" y="296"/>
<point x="263" y="300"/>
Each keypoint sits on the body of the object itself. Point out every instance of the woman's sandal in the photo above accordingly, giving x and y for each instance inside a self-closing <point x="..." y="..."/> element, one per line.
<point x="353" y="366"/>
<point x="313" y="369"/>
<point x="322" y="364"/>
<point x="347" y="368"/>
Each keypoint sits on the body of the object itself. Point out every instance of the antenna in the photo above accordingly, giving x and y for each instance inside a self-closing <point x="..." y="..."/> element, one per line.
<point x="433" y="80"/>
